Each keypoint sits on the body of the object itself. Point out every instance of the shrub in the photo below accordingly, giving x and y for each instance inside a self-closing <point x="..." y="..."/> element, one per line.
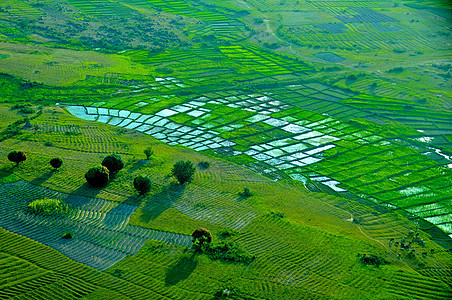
<point x="352" y="77"/>
<point x="27" y="110"/>
<point x="227" y="251"/>
<point x="67" y="235"/>
<point x="17" y="157"/>
<point x="372" y="259"/>
<point x="113" y="163"/>
<point x="97" y="176"/>
<point x="183" y="171"/>
<point x="204" y="164"/>
<point x="246" y="192"/>
<point x="48" y="207"/>
<point x="56" y="163"/>
<point x="142" y="184"/>
<point x="148" y="152"/>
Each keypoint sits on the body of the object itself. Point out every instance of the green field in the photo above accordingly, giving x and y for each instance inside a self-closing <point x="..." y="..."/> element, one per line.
<point x="335" y="114"/>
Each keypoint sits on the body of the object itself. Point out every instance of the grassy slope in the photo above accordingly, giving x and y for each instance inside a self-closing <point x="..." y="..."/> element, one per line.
<point x="309" y="252"/>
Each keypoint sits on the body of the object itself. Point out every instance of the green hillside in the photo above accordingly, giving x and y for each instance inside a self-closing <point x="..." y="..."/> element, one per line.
<point x="334" y="115"/>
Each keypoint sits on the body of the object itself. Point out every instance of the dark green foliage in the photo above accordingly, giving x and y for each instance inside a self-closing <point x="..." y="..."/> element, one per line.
<point x="21" y="105"/>
<point x="148" y="152"/>
<point x="372" y="259"/>
<point x="352" y="77"/>
<point x="227" y="251"/>
<point x="278" y="214"/>
<point x="113" y="163"/>
<point x="183" y="171"/>
<point x="27" y="110"/>
<point x="165" y="70"/>
<point x="396" y="70"/>
<point x="224" y="234"/>
<point x="246" y="192"/>
<point x="204" y="164"/>
<point x="142" y="184"/>
<point x="17" y="157"/>
<point x="223" y="293"/>
<point x="97" y="176"/>
<point x="203" y="235"/>
<point x="56" y="163"/>
<point x="67" y="236"/>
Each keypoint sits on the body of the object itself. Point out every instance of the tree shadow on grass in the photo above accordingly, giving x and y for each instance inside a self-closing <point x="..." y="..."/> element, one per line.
<point x="158" y="203"/>
<point x="86" y="191"/>
<point x="43" y="178"/>
<point x="181" y="270"/>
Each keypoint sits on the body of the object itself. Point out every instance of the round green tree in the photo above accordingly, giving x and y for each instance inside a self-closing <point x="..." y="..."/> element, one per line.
<point x="17" y="157"/>
<point x="142" y="184"/>
<point x="183" y="171"/>
<point x="97" y="176"/>
<point x="113" y="163"/>
<point x="56" y="163"/>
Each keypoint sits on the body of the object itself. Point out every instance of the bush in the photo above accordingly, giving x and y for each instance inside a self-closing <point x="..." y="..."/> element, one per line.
<point x="48" y="207"/>
<point x="67" y="235"/>
<point x="97" y="176"/>
<point x="183" y="171"/>
<point x="27" y="110"/>
<point x="246" y="192"/>
<point x="148" y="152"/>
<point x="227" y="251"/>
<point x="113" y="163"/>
<point x="204" y="164"/>
<point x="142" y="184"/>
<point x="372" y="259"/>
<point x="17" y="157"/>
<point x="352" y="77"/>
<point x="56" y="163"/>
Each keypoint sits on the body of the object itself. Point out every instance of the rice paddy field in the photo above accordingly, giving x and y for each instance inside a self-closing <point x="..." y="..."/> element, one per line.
<point x="336" y="115"/>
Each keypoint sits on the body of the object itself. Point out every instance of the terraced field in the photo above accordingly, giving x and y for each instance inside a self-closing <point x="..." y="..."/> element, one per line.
<point x="334" y="114"/>
<point x="102" y="234"/>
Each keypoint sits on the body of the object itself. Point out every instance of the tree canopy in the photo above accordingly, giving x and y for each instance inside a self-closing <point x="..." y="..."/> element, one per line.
<point x="183" y="171"/>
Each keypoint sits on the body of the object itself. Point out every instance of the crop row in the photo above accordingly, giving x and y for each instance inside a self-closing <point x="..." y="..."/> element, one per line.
<point x="101" y="232"/>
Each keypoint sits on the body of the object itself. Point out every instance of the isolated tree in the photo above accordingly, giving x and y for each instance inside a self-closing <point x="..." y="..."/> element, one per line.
<point x="17" y="157"/>
<point x="183" y="171"/>
<point x="148" y="152"/>
<point x="56" y="163"/>
<point x="113" y="163"/>
<point x="142" y="184"/>
<point x="97" y="176"/>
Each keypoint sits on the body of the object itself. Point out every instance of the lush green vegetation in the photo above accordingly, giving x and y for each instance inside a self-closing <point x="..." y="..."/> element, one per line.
<point x="310" y="132"/>
<point x="50" y="207"/>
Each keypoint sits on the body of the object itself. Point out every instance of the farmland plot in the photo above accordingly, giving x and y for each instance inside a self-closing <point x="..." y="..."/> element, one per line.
<point x="102" y="236"/>
<point x="280" y="140"/>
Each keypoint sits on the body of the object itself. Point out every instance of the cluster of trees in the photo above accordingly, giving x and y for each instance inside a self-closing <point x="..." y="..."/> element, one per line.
<point x="226" y="251"/>
<point x="20" y="156"/>
<point x="99" y="176"/>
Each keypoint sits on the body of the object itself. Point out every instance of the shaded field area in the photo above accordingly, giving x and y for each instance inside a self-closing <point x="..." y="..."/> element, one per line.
<point x="100" y="229"/>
